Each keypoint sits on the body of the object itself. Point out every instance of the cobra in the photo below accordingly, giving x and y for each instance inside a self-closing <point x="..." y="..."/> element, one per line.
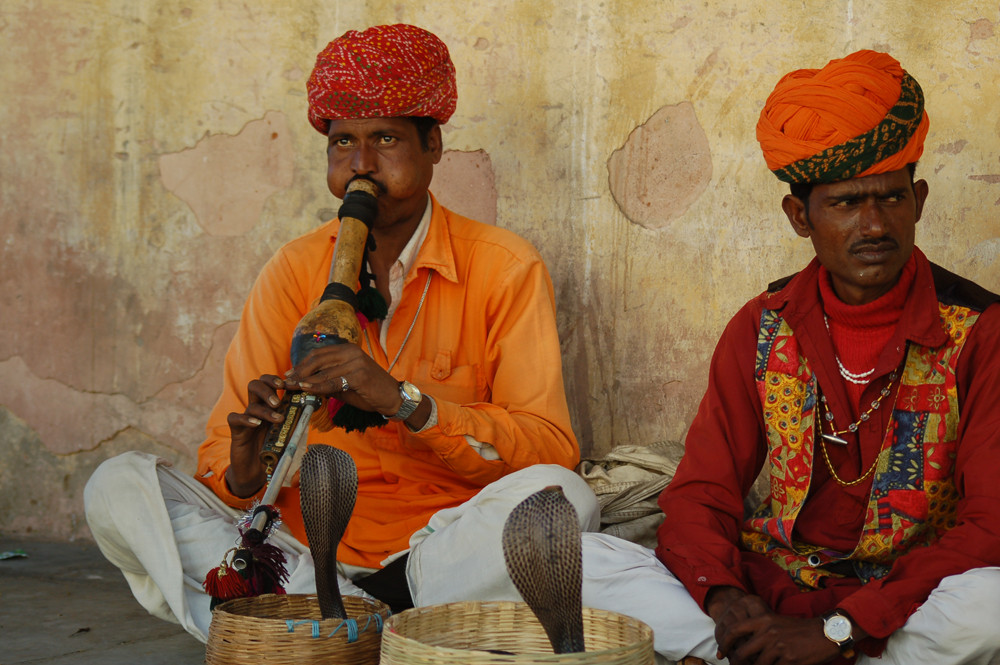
<point x="543" y="553"/>
<point x="328" y="488"/>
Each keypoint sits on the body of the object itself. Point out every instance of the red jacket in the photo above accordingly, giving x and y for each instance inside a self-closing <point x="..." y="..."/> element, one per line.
<point x="725" y="451"/>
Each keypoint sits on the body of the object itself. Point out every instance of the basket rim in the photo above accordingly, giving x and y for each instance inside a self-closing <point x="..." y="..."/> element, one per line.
<point x="390" y="632"/>
<point x="284" y="632"/>
<point x="378" y="617"/>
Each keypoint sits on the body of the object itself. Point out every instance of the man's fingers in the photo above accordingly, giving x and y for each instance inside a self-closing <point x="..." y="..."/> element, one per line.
<point x="262" y="405"/>
<point x="329" y="366"/>
<point x="729" y="635"/>
<point x="750" y="650"/>
<point x="254" y="416"/>
<point x="241" y="420"/>
<point x="264" y="390"/>
<point x="738" y="625"/>
<point x="324" y="381"/>
<point x="326" y="357"/>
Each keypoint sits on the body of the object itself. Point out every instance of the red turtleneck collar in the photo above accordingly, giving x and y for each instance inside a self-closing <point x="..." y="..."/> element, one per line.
<point x="860" y="332"/>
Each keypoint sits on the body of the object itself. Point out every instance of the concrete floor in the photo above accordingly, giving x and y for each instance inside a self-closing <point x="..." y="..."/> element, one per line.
<point x="64" y="603"/>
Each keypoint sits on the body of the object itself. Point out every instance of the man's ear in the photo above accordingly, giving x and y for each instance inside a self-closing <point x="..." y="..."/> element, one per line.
<point x="435" y="145"/>
<point x="798" y="217"/>
<point x="920" y="194"/>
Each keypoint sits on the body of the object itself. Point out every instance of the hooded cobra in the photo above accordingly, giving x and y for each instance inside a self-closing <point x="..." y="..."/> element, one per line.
<point x="328" y="486"/>
<point x="542" y="549"/>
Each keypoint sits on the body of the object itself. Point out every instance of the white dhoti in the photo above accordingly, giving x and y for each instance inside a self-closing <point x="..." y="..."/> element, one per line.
<point x="165" y="531"/>
<point x="956" y="624"/>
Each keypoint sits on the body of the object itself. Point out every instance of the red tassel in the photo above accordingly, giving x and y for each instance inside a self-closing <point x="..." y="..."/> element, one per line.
<point x="333" y="406"/>
<point x="224" y="583"/>
<point x="262" y="565"/>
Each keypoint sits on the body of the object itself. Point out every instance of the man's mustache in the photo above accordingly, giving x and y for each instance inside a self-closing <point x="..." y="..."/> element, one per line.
<point x="880" y="244"/>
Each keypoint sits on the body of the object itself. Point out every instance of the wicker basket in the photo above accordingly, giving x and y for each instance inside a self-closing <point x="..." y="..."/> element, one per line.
<point x="279" y="629"/>
<point x="465" y="633"/>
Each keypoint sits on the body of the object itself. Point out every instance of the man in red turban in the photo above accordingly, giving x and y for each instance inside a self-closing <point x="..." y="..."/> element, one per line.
<point x="386" y="71"/>
<point x="465" y="367"/>
<point x="867" y="386"/>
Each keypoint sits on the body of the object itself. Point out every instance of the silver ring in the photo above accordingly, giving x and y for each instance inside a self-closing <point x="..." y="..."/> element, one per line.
<point x="344" y="385"/>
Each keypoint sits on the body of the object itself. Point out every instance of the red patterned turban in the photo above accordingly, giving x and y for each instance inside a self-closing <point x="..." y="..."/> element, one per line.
<point x="387" y="71"/>
<point x="858" y="116"/>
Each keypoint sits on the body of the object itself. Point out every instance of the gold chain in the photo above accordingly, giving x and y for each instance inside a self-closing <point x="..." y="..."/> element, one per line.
<point x="826" y="456"/>
<point x="853" y="427"/>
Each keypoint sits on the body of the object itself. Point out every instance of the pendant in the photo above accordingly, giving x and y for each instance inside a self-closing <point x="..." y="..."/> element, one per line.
<point x="833" y="438"/>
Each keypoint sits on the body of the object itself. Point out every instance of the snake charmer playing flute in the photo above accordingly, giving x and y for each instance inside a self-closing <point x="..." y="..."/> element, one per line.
<point x="464" y="369"/>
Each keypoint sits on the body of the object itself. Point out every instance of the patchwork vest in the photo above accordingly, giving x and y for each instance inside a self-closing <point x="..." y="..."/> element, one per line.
<point x="913" y="497"/>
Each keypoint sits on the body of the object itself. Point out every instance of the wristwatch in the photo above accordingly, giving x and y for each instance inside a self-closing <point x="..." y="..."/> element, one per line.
<point x="411" y="397"/>
<point x="838" y="629"/>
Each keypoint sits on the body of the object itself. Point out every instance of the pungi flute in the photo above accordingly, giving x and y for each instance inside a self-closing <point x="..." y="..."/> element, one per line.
<point x="333" y="320"/>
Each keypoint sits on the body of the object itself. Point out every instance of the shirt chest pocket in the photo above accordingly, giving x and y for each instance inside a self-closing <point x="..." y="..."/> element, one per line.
<point x="440" y="378"/>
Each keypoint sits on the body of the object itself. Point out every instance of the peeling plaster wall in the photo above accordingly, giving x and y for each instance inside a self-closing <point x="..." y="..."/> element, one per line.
<point x="154" y="153"/>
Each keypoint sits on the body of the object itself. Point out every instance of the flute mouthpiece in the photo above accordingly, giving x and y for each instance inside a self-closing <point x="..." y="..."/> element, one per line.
<point x="362" y="185"/>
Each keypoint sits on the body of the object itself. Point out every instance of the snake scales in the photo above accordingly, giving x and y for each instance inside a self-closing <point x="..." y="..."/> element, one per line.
<point x="543" y="553"/>
<point x="328" y="486"/>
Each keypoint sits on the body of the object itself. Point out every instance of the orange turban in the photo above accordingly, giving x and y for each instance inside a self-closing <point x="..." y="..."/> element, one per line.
<point x="858" y="116"/>
<point x="387" y="71"/>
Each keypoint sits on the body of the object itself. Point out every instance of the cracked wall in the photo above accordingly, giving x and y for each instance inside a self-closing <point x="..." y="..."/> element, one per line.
<point x="153" y="154"/>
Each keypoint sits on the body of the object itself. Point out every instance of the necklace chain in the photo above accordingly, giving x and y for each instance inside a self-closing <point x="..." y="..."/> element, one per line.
<point x="853" y="428"/>
<point x="420" y="306"/>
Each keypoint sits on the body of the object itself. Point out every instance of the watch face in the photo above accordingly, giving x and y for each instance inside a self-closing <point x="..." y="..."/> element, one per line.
<point x="411" y="392"/>
<point x="837" y="628"/>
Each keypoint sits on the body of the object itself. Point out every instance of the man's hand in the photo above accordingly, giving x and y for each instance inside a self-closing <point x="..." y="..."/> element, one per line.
<point x="772" y="639"/>
<point x="245" y="475"/>
<point x="370" y="387"/>
<point x="750" y="633"/>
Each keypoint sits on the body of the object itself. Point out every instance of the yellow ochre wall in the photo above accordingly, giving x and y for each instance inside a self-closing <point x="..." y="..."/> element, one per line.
<point x="154" y="153"/>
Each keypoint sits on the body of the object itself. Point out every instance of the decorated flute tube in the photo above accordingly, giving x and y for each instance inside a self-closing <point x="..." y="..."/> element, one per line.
<point x="334" y="320"/>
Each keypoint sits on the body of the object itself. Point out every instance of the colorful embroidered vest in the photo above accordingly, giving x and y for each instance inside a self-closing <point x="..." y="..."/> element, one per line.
<point x="913" y="497"/>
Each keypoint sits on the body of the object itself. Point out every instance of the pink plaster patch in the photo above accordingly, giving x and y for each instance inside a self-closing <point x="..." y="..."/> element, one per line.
<point x="952" y="148"/>
<point x="981" y="29"/>
<point x="70" y="421"/>
<point x="465" y="182"/>
<point x="662" y="168"/>
<point x="226" y="179"/>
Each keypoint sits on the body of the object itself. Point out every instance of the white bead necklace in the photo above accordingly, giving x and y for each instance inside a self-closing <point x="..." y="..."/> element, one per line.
<point x="857" y="378"/>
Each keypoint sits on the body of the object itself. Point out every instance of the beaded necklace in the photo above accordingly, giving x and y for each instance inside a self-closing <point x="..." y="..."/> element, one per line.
<point x="857" y="378"/>
<point x="834" y="436"/>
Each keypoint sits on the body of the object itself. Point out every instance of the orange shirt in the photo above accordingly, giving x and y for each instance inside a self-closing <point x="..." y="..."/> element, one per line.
<point x="484" y="346"/>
